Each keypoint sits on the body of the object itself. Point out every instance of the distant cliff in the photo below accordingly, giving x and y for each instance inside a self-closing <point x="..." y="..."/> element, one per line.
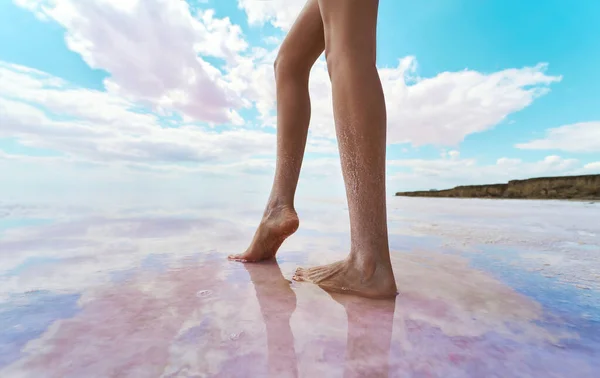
<point x="565" y="187"/>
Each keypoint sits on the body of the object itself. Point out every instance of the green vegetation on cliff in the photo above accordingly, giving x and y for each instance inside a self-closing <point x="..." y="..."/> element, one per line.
<point x="564" y="187"/>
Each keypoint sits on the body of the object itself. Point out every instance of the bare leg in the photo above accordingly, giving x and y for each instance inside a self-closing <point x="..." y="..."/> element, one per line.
<point x="360" y="120"/>
<point x="299" y="51"/>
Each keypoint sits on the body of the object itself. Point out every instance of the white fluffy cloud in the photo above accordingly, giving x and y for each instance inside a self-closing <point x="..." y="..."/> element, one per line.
<point x="102" y="127"/>
<point x="444" y="109"/>
<point x="279" y="13"/>
<point x="578" y="137"/>
<point x="441" y="110"/>
<point x="593" y="167"/>
<point x="153" y="51"/>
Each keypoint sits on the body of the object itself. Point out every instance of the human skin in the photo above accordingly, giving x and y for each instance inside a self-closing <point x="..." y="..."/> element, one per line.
<point x="346" y="31"/>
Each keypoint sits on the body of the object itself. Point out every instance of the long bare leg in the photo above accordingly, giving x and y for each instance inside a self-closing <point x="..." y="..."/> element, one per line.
<point x="360" y="120"/>
<point x="297" y="54"/>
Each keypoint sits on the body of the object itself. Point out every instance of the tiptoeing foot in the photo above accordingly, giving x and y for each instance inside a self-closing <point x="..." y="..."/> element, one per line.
<point x="277" y="224"/>
<point x="350" y="277"/>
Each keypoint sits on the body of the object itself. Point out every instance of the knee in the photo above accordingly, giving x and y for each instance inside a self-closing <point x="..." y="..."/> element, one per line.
<point x="333" y="60"/>
<point x="347" y="59"/>
<point x="336" y="60"/>
<point x="287" y="65"/>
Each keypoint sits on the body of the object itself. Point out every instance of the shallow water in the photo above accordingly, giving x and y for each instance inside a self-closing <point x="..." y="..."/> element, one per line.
<point x="487" y="289"/>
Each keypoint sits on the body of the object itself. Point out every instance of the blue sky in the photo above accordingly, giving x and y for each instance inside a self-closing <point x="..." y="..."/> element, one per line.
<point x="129" y="93"/>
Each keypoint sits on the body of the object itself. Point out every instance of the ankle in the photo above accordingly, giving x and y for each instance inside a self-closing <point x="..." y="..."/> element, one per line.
<point x="363" y="264"/>
<point x="280" y="203"/>
<point x="369" y="263"/>
<point x="280" y="212"/>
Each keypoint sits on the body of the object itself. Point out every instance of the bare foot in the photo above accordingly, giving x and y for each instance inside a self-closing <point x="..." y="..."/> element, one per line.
<point x="352" y="278"/>
<point x="277" y="224"/>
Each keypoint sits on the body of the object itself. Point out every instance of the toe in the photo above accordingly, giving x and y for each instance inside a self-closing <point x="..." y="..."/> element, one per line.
<point x="239" y="258"/>
<point x="300" y="274"/>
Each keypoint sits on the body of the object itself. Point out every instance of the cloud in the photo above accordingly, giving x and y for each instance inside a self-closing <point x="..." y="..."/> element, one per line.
<point x="325" y="167"/>
<point x="153" y="51"/>
<point x="101" y="126"/>
<point x="595" y="167"/>
<point x="160" y="84"/>
<point x="578" y="137"/>
<point x="279" y="13"/>
<point x="441" y="110"/>
<point x="416" y="174"/>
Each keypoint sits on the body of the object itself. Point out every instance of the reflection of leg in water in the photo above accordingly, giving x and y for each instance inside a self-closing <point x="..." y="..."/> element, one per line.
<point x="277" y="303"/>
<point x="370" y="324"/>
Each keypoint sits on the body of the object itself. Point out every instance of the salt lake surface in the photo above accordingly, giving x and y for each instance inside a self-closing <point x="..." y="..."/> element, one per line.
<point x="488" y="288"/>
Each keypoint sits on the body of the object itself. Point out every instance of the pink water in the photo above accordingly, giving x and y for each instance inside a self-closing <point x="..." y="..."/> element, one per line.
<point x="152" y="295"/>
